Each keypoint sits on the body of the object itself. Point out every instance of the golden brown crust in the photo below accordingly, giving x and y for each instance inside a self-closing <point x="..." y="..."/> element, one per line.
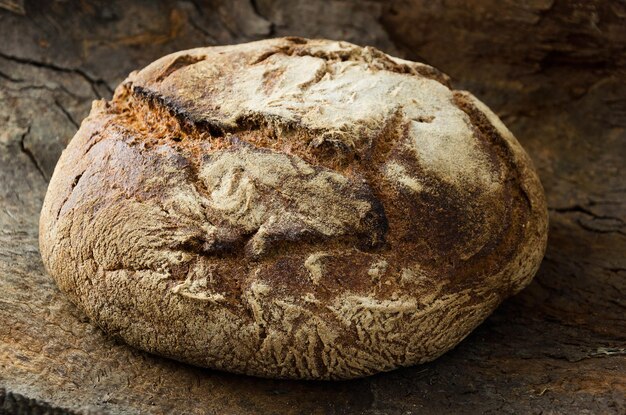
<point x="292" y="208"/>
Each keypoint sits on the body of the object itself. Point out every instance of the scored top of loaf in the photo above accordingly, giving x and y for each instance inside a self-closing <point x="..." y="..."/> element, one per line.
<point x="335" y="91"/>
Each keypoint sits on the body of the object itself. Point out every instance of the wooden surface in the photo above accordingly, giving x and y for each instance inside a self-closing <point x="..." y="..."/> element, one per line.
<point x="553" y="70"/>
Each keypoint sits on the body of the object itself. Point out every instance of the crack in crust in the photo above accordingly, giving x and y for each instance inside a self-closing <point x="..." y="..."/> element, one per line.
<point x="155" y="120"/>
<point x="180" y="62"/>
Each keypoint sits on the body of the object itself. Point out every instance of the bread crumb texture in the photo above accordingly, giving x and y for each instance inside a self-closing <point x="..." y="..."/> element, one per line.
<point x="292" y="208"/>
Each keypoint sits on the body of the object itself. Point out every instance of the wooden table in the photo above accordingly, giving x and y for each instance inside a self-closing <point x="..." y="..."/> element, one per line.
<point x="554" y="70"/>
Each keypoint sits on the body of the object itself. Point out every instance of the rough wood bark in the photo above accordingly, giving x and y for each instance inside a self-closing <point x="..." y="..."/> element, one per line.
<point x="554" y="70"/>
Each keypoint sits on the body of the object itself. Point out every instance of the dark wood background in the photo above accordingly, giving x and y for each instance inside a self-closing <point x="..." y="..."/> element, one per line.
<point x="554" y="70"/>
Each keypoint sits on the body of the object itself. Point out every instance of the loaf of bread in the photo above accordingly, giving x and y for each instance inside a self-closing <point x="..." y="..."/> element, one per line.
<point x="292" y="208"/>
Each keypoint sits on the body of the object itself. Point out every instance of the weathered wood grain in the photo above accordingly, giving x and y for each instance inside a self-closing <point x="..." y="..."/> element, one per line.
<point x="554" y="70"/>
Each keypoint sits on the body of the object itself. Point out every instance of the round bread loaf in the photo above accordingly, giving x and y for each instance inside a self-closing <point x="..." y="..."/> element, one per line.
<point x="292" y="208"/>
